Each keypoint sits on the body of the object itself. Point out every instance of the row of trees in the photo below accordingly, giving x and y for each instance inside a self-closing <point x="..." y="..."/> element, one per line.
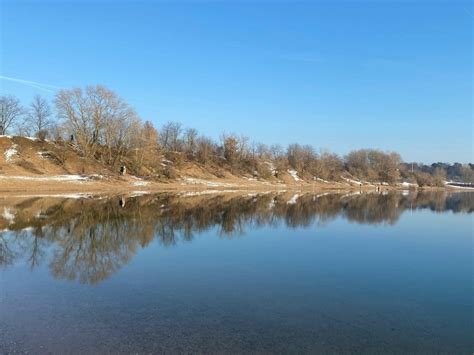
<point x="103" y="126"/>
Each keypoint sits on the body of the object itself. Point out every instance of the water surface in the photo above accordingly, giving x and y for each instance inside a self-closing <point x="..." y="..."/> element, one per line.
<point x="305" y="273"/>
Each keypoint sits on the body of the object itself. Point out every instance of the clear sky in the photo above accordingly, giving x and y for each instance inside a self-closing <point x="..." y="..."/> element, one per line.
<point x="335" y="74"/>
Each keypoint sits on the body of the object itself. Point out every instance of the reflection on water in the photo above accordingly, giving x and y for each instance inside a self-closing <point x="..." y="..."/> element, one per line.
<point x="237" y="273"/>
<point x="90" y="239"/>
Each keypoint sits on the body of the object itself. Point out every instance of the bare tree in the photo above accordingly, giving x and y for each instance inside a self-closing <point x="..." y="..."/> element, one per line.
<point x="147" y="145"/>
<point x="98" y="117"/>
<point x="170" y="136"/>
<point x="374" y="165"/>
<point x="10" y="111"/>
<point x="230" y="144"/>
<point x="205" y="149"/>
<point x="38" y="118"/>
<point x="191" y="135"/>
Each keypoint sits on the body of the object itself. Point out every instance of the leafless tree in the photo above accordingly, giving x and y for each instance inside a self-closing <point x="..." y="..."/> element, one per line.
<point x="38" y="118"/>
<point x="147" y="145"/>
<point x="98" y="117"/>
<point x="170" y="136"/>
<point x="374" y="165"/>
<point x="191" y="136"/>
<point x="204" y="149"/>
<point x="10" y="112"/>
<point x="230" y="144"/>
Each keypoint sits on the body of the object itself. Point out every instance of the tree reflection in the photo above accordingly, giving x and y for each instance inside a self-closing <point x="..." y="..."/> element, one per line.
<point x="88" y="240"/>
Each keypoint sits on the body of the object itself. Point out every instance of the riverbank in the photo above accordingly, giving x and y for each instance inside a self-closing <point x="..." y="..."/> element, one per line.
<point x="62" y="184"/>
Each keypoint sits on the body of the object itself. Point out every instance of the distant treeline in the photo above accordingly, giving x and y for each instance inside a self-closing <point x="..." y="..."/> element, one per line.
<point x="100" y="125"/>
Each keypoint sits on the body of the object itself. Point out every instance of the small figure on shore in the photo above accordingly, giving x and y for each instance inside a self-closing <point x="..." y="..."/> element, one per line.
<point x="123" y="170"/>
<point x="71" y="138"/>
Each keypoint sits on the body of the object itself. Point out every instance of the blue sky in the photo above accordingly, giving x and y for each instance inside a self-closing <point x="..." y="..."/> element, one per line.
<point x="335" y="74"/>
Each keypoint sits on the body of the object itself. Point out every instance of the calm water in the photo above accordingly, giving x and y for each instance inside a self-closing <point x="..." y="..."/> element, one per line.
<point x="331" y="273"/>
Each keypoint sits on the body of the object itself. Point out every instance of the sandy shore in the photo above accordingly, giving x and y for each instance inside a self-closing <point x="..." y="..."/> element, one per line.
<point x="62" y="184"/>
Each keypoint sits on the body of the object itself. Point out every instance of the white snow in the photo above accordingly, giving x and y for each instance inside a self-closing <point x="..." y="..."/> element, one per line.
<point x="294" y="174"/>
<point x="43" y="154"/>
<point x="353" y="193"/>
<point x="47" y="178"/>
<point x="315" y="197"/>
<point x="293" y="199"/>
<point x="460" y="187"/>
<point x="8" y="215"/>
<point x="272" y="168"/>
<point x="10" y="152"/>
<point x="272" y="204"/>
<point x="140" y="183"/>
<point x="65" y="195"/>
<point x="321" y="180"/>
<point x="351" y="181"/>
<point x="206" y="192"/>
<point x="72" y="196"/>
<point x="195" y="181"/>
<point x="138" y="193"/>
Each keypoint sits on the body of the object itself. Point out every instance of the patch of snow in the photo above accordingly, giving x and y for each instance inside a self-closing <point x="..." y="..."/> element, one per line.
<point x="4" y="136"/>
<point x="96" y="176"/>
<point x="47" y="178"/>
<point x="72" y="196"/>
<point x="195" y="181"/>
<point x="138" y="193"/>
<point x="354" y="193"/>
<point x="206" y="192"/>
<point x="32" y="138"/>
<point x="272" y="204"/>
<point x="140" y="183"/>
<point x="43" y="154"/>
<point x="321" y="180"/>
<point x="10" y="152"/>
<point x="293" y="199"/>
<point x="8" y="215"/>
<point x="315" y="197"/>
<point x="460" y="187"/>
<point x="351" y="181"/>
<point x="65" y="195"/>
<point x="294" y="174"/>
<point x="272" y="168"/>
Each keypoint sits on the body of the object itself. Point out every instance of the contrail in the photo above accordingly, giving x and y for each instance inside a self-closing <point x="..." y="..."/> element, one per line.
<point x="34" y="84"/>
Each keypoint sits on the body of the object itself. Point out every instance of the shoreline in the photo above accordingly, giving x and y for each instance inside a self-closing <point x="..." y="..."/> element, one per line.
<point x="64" y="184"/>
